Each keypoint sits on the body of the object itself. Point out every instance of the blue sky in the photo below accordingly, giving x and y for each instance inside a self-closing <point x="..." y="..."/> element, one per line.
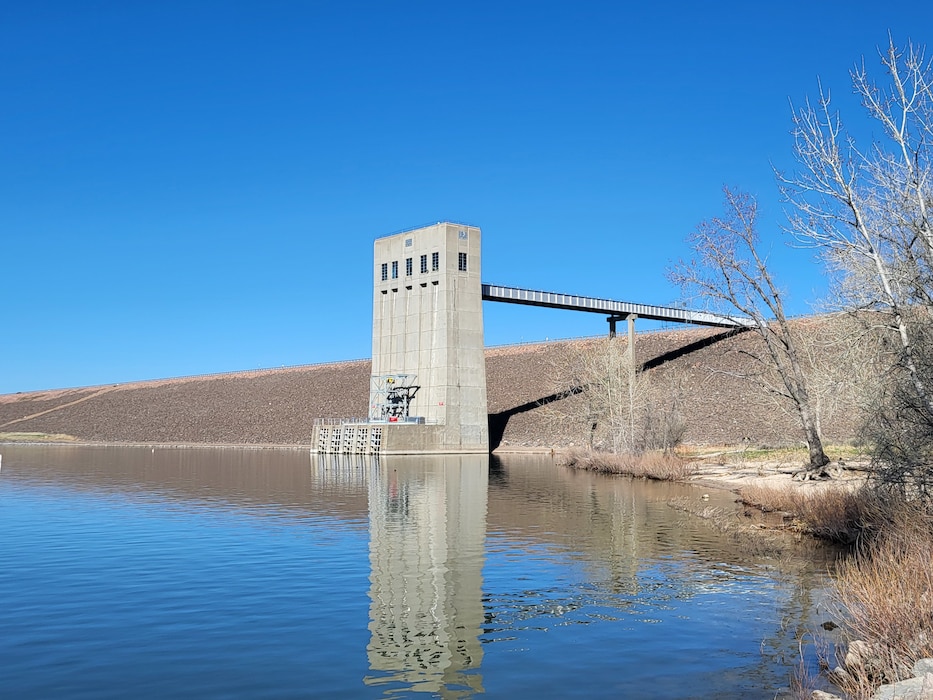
<point x="194" y="187"/>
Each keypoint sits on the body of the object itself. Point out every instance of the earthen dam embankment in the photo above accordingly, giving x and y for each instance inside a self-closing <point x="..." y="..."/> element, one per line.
<point x="700" y="372"/>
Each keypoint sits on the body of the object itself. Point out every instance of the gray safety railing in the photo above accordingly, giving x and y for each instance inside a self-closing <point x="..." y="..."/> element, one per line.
<point x="620" y="309"/>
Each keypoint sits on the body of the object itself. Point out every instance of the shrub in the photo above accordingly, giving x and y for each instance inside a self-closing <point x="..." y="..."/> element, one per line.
<point x="886" y="590"/>
<point x="835" y="513"/>
<point x="661" y="466"/>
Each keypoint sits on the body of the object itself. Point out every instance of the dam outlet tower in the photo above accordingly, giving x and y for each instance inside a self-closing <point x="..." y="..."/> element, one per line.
<point x="428" y="383"/>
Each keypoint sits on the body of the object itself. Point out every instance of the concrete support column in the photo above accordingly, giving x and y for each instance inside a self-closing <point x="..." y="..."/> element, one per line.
<point x="631" y="371"/>
<point x="631" y="340"/>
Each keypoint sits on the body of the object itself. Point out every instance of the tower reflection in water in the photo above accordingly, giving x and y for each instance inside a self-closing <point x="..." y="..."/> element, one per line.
<point x="427" y="518"/>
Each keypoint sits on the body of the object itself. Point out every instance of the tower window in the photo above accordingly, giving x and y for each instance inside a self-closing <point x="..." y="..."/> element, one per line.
<point x="385" y="271"/>
<point x="395" y="269"/>
<point x="408" y="267"/>
<point x="435" y="262"/>
<point x="424" y="264"/>
<point x="461" y="262"/>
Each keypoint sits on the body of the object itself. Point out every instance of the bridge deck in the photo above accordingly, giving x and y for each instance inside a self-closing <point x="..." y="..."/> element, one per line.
<point x="619" y="309"/>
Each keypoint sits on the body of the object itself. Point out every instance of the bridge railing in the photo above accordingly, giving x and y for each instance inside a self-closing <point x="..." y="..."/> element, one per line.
<point x="367" y="421"/>
<point x="612" y="307"/>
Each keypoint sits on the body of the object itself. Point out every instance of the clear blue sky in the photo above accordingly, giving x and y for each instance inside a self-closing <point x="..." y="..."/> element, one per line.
<point x="193" y="187"/>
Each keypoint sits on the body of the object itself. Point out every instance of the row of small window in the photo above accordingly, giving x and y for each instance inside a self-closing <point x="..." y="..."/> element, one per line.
<point x="435" y="265"/>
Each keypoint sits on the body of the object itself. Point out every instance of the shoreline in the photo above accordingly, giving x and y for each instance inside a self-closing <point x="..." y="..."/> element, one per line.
<point x="770" y="474"/>
<point x="712" y="470"/>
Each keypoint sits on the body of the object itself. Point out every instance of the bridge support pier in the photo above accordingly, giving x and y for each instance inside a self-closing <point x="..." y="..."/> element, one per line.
<point x="631" y="335"/>
<point x="631" y="325"/>
<point x="631" y="339"/>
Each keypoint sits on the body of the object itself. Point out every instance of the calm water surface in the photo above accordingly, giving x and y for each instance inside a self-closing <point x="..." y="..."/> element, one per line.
<point x="128" y="572"/>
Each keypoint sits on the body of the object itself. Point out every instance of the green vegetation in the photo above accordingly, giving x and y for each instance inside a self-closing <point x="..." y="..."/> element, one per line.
<point x="778" y="455"/>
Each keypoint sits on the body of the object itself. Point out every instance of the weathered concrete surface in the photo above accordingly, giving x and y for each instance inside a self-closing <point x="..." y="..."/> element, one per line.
<point x="279" y="406"/>
<point x="428" y="321"/>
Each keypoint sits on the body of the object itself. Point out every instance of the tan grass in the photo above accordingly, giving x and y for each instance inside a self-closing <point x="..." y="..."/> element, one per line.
<point x="802" y="680"/>
<point x="660" y="466"/>
<point x="767" y="498"/>
<point x="886" y="589"/>
<point x="835" y="513"/>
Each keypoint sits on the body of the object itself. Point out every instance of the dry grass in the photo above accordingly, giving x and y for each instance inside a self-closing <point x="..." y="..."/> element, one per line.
<point x="886" y="589"/>
<point x="661" y="466"/>
<point x="802" y="680"/>
<point x="835" y="513"/>
<point x="767" y="498"/>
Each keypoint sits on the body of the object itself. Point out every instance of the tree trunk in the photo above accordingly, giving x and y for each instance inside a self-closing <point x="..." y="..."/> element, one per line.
<point x="798" y="390"/>
<point x="818" y="458"/>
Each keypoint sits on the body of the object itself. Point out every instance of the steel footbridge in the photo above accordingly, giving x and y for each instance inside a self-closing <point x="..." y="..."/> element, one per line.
<point x="614" y="310"/>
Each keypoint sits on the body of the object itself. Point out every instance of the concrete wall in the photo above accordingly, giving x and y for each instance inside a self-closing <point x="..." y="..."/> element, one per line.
<point x="428" y="321"/>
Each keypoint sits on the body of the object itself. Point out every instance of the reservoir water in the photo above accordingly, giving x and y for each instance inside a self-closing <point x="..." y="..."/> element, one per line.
<point x="251" y="573"/>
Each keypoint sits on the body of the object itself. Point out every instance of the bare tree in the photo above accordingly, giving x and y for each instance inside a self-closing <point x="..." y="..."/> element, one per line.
<point x="730" y="274"/>
<point x="867" y="209"/>
<point x="840" y="359"/>
<point x="615" y="408"/>
<point x="662" y="424"/>
<point x="601" y="372"/>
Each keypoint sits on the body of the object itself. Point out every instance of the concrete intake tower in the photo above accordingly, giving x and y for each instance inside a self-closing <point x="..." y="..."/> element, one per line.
<point x="428" y="382"/>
